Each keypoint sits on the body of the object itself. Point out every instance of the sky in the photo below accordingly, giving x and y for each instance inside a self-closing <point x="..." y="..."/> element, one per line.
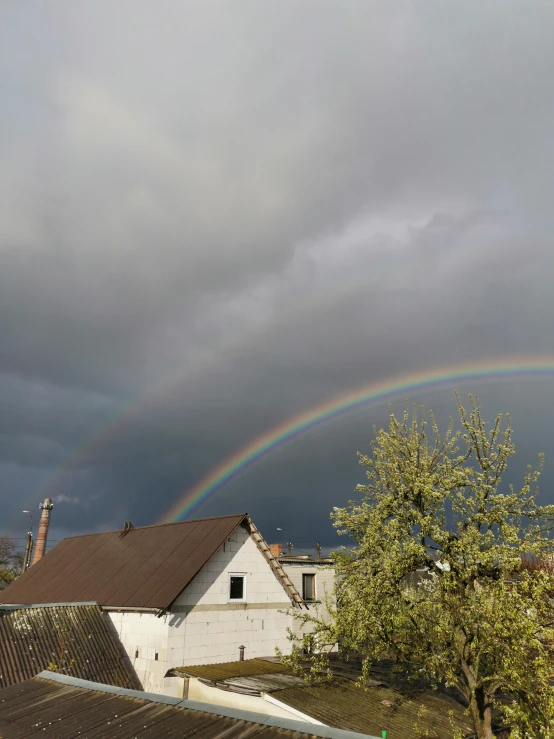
<point x="216" y="215"/>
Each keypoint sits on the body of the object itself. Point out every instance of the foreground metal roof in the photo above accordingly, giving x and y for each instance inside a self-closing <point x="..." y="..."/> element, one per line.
<point x="343" y="704"/>
<point x="71" y="639"/>
<point x="145" y="567"/>
<point x="67" y="708"/>
<point x="389" y="703"/>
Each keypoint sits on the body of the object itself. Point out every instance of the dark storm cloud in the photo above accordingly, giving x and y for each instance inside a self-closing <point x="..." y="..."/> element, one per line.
<point x="234" y="212"/>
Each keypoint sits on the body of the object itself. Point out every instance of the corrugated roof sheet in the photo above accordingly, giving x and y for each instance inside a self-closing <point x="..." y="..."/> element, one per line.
<point x="225" y="670"/>
<point x="47" y="707"/>
<point x="145" y="568"/>
<point x="74" y="640"/>
<point x="259" y="684"/>
<point x="342" y="704"/>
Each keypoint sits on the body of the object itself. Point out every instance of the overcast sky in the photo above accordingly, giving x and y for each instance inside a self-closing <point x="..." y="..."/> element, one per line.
<point x="215" y="215"/>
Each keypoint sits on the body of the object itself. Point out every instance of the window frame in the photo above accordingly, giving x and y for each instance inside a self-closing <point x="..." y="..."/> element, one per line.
<point x="236" y="600"/>
<point x="313" y="599"/>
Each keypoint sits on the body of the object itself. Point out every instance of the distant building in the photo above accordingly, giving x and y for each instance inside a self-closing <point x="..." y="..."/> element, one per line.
<point x="314" y="578"/>
<point x="175" y="594"/>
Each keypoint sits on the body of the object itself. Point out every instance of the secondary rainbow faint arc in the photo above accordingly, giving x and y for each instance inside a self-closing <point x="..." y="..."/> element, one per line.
<point x="328" y="410"/>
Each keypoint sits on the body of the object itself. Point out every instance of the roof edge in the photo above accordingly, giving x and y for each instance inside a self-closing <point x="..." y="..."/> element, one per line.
<point x="157" y="525"/>
<point x="23" y="606"/>
<point x="326" y="732"/>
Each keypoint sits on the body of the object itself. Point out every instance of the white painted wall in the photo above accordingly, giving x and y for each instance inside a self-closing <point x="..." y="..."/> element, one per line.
<point x="206" y="694"/>
<point x="324" y="583"/>
<point x="203" y="627"/>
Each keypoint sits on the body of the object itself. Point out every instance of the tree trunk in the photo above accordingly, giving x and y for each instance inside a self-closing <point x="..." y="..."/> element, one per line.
<point x="481" y="711"/>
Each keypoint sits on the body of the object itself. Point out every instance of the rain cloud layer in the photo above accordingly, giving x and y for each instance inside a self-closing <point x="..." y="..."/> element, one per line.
<point x="216" y="215"/>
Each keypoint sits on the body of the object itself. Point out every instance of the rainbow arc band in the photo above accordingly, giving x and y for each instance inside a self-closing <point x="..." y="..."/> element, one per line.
<point x="489" y="369"/>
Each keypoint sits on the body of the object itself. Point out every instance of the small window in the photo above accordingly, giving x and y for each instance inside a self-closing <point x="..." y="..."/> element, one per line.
<point x="308" y="587"/>
<point x="237" y="587"/>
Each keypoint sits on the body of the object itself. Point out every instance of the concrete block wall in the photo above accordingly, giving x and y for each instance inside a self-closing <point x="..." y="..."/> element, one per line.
<point x="206" y="628"/>
<point x="147" y="635"/>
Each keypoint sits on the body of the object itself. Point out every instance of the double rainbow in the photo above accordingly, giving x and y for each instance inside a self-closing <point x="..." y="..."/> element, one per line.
<point x="330" y="410"/>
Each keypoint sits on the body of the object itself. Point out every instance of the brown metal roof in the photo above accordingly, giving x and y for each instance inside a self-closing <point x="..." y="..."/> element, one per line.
<point x="145" y="568"/>
<point x="74" y="640"/>
<point x="70" y="709"/>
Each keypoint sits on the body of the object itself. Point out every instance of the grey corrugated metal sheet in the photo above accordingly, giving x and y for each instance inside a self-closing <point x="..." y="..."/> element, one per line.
<point x="341" y="703"/>
<point x="259" y="684"/>
<point x="71" y="639"/>
<point x="71" y="709"/>
<point x="146" y="568"/>
<point x="225" y="670"/>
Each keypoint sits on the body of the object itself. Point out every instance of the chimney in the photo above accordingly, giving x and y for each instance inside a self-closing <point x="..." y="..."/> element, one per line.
<point x="276" y="549"/>
<point x="45" y="507"/>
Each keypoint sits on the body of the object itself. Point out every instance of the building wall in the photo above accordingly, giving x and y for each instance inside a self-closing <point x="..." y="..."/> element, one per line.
<point x="202" y="626"/>
<point x="147" y="635"/>
<point x="324" y="584"/>
<point x="206" y="628"/>
<point x="198" y="691"/>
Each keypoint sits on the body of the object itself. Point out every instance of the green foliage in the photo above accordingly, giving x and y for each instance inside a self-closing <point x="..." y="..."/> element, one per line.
<point x="11" y="561"/>
<point x="478" y="620"/>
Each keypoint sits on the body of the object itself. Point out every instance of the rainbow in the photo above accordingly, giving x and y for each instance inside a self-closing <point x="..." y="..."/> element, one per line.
<point x="330" y="410"/>
<point x="131" y="409"/>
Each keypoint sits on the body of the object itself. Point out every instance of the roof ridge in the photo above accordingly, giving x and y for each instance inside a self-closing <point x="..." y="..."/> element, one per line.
<point x="157" y="525"/>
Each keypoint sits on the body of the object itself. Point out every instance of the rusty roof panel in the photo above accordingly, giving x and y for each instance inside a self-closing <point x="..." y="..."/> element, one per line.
<point x="226" y="670"/>
<point x="45" y="707"/>
<point x="73" y="639"/>
<point x="258" y="684"/>
<point x="146" y="568"/>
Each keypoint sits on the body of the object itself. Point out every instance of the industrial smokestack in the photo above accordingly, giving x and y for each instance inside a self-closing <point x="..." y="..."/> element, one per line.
<point x="46" y="507"/>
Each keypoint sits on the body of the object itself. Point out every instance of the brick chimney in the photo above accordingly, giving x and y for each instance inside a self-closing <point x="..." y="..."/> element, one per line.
<point x="45" y="507"/>
<point x="276" y="549"/>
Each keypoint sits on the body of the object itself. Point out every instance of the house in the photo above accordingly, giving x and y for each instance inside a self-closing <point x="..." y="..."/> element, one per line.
<point x="63" y="706"/>
<point x="314" y="578"/>
<point x="74" y="640"/>
<point x="401" y="708"/>
<point x="183" y="593"/>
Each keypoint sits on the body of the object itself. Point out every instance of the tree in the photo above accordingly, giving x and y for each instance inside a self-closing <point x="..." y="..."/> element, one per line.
<point x="11" y="561"/>
<point x="480" y="621"/>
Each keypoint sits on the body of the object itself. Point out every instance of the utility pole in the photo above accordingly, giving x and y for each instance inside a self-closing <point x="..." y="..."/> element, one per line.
<point x="29" y="545"/>
<point x="318" y="548"/>
<point x="289" y="544"/>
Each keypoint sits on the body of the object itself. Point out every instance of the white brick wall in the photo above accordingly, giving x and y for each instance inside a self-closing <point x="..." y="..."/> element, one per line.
<point x="215" y="635"/>
<point x="147" y="634"/>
